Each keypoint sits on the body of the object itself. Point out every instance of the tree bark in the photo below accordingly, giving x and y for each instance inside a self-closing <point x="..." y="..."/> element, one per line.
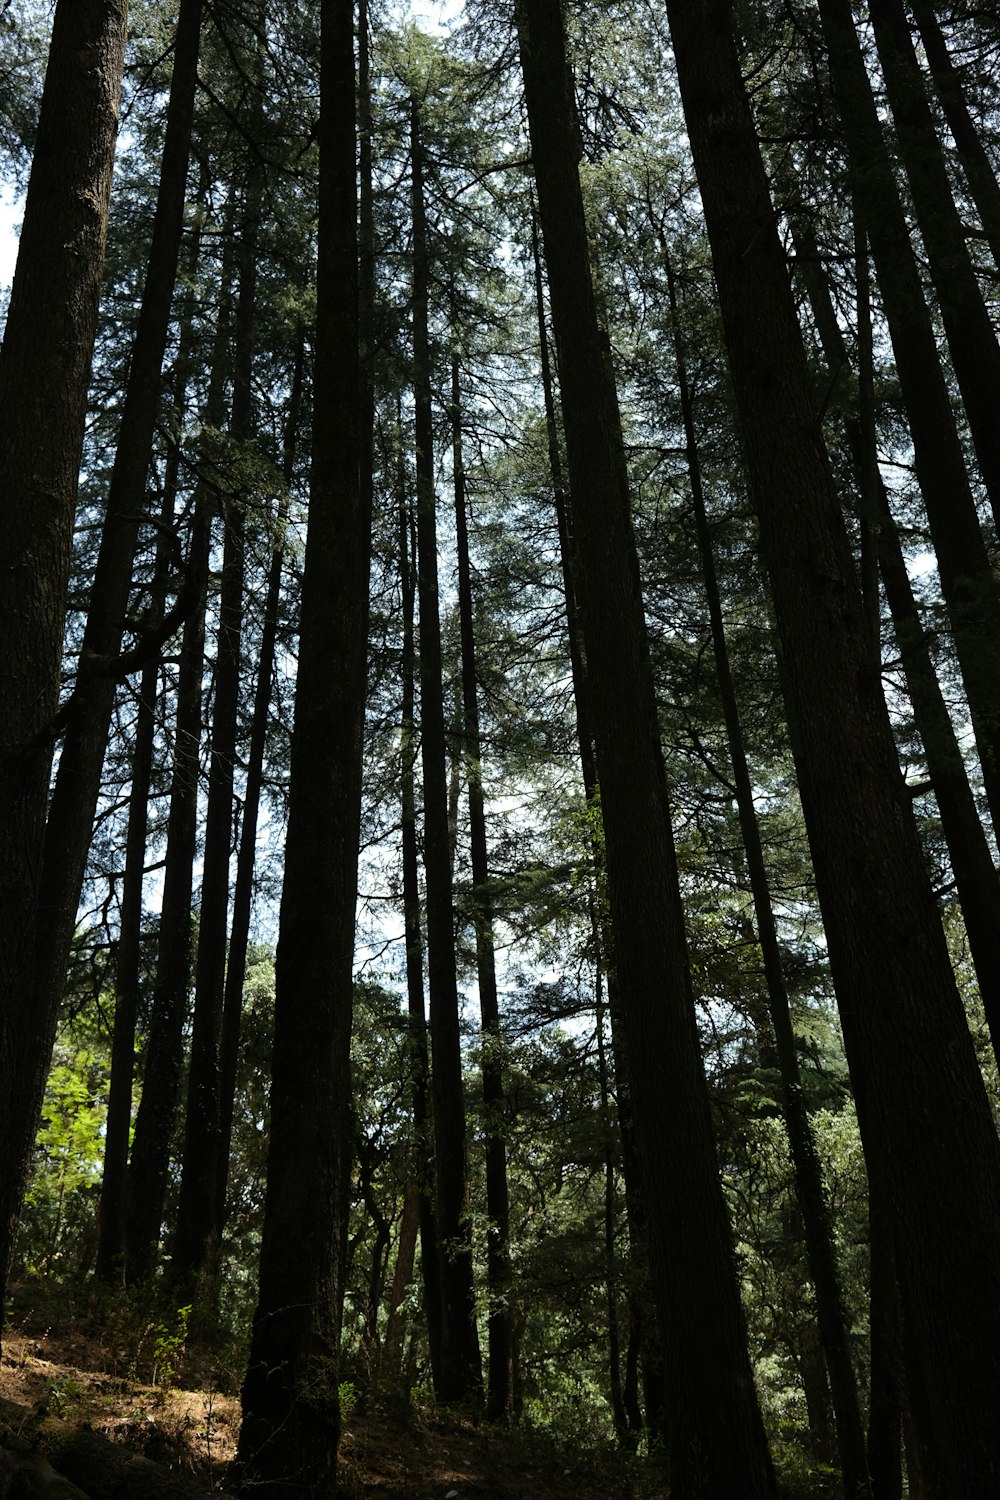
<point x="709" y="1382"/>
<point x="44" y="371"/>
<point x="291" y="1423"/>
<point x="922" y="1105"/>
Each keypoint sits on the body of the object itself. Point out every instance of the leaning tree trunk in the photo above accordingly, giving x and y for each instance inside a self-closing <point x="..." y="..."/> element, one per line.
<point x="291" y="1420"/>
<point x="979" y="171"/>
<point x="460" y="1373"/>
<point x="922" y="1105"/>
<point x="972" y="339"/>
<point x="976" y="878"/>
<point x="971" y="592"/>
<point x="44" y="370"/>
<point x="716" y="1438"/>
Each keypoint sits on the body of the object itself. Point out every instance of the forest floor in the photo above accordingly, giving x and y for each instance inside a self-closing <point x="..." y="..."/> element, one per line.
<point x="150" y="1416"/>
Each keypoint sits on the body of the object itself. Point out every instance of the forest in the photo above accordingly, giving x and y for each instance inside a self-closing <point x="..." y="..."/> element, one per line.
<point x="498" y="808"/>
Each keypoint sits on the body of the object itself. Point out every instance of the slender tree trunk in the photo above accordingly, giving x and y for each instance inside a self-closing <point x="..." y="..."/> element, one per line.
<point x="639" y="1291"/>
<point x="110" y="1260"/>
<point x="460" y="1375"/>
<point x="809" y="1190"/>
<point x="922" y="1106"/>
<point x="419" y="1064"/>
<point x="44" y="370"/>
<point x="710" y="1388"/>
<point x="500" y="1322"/>
<point x="406" y="1246"/>
<point x="150" y="1158"/>
<point x="972" y="340"/>
<point x="976" y="878"/>
<point x="196" y="1240"/>
<point x="239" y="936"/>
<point x="979" y="171"/>
<point x="969" y="587"/>
<point x="291" y="1422"/>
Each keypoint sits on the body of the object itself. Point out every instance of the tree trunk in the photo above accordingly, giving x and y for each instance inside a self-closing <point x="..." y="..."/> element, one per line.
<point x="979" y="172"/>
<point x="460" y="1375"/>
<point x="150" y="1158"/>
<point x="972" y="341"/>
<point x="809" y="1192"/>
<point x="291" y="1423"/>
<point x="197" y="1236"/>
<point x="970" y="589"/>
<point x="976" y="878"/>
<point x="710" y="1388"/>
<point x="110" y="1259"/>
<point x="922" y="1105"/>
<point x="239" y="936"/>
<point x="419" y="1064"/>
<point x="500" y="1322"/>
<point x="44" y="370"/>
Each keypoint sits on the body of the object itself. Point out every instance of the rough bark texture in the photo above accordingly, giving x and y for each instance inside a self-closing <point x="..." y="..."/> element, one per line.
<point x="716" y="1440"/>
<point x="44" y="369"/>
<point x="922" y="1104"/>
<point x="288" y="1441"/>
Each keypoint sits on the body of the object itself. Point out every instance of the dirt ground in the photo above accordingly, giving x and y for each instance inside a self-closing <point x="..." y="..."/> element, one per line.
<point x="71" y="1405"/>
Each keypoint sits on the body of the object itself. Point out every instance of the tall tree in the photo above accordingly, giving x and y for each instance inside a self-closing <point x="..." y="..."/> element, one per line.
<point x="460" y="1373"/>
<point x="291" y="1422"/>
<point x="904" y="1028"/>
<point x="709" y="1383"/>
<point x="44" y="369"/>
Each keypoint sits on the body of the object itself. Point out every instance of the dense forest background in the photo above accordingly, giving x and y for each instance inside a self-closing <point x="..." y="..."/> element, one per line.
<point x="500" y="762"/>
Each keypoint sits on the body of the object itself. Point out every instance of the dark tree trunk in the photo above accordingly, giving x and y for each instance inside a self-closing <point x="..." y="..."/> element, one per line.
<point x="197" y="1237"/>
<point x="500" y="1322"/>
<point x="809" y="1190"/>
<point x="976" y="878"/>
<point x="239" y="936"/>
<point x="419" y="1064"/>
<point x="44" y="370"/>
<point x="460" y="1373"/>
<point x="291" y="1423"/>
<point x="109" y="1264"/>
<point x="978" y="168"/>
<point x="710" y="1388"/>
<point x="639" y="1293"/>
<point x="972" y="341"/>
<point x="970" y="589"/>
<point x="922" y="1106"/>
<point x="150" y="1157"/>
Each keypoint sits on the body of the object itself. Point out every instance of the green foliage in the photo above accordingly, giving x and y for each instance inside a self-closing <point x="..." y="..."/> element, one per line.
<point x="61" y="1203"/>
